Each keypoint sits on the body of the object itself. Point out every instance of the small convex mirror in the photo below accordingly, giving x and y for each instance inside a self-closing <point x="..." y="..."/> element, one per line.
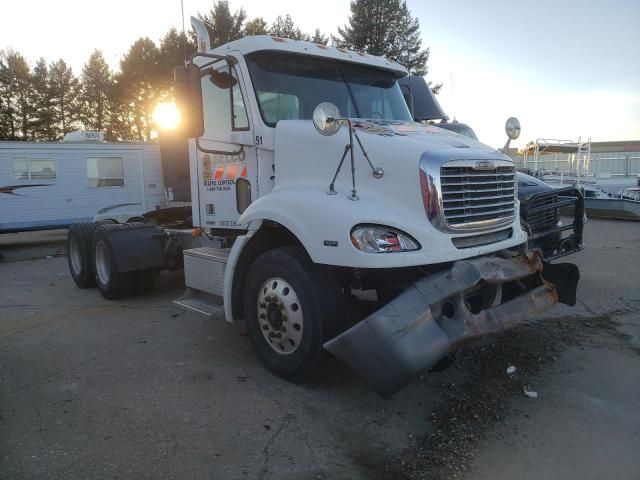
<point x="324" y="118"/>
<point x="512" y="127"/>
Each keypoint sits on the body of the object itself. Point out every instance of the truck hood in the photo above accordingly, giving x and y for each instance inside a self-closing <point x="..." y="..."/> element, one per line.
<point x="306" y="164"/>
<point x="304" y="156"/>
<point x="430" y="137"/>
<point x="528" y="185"/>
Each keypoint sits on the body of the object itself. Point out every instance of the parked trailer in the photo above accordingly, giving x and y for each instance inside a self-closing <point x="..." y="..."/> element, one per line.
<point x="311" y="184"/>
<point x="47" y="185"/>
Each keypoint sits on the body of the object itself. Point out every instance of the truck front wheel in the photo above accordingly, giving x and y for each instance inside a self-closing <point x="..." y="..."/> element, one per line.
<point x="292" y="306"/>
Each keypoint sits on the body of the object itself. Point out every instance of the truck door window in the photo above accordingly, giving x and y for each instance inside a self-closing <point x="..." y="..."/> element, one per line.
<point x="224" y="107"/>
<point x="240" y="119"/>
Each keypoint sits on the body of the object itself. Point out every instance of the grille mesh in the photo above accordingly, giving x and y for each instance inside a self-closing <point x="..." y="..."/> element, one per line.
<point x="544" y="219"/>
<point x="473" y="197"/>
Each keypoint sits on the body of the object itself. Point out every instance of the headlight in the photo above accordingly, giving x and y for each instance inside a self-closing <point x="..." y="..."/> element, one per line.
<point x="379" y="239"/>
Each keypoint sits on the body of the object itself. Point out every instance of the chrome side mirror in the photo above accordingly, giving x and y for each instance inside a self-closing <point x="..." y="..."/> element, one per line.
<point x="325" y="118"/>
<point x="512" y="127"/>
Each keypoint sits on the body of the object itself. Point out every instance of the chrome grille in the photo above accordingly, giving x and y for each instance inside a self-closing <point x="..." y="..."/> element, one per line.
<point x="475" y="198"/>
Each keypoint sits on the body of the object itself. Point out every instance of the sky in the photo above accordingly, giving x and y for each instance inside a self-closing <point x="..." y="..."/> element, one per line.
<point x="566" y="69"/>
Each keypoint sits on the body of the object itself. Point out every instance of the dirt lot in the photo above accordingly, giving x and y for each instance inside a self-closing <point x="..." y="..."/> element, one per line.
<point x="138" y="389"/>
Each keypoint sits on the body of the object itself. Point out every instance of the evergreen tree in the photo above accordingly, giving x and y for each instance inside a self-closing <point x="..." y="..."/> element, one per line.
<point x="42" y="122"/>
<point x="94" y="92"/>
<point x="7" y="128"/>
<point x="139" y="87"/>
<point x="285" y="28"/>
<point x="385" y="28"/>
<point x="119" y="126"/>
<point x="15" y="83"/>
<point x="63" y="88"/>
<point x="257" y="26"/>
<point x="318" y="38"/>
<point x="223" y="26"/>
<point x="175" y="48"/>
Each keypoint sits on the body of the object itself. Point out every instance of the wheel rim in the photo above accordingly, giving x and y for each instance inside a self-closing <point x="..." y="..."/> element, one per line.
<point x="280" y="315"/>
<point x="75" y="254"/>
<point x="103" y="262"/>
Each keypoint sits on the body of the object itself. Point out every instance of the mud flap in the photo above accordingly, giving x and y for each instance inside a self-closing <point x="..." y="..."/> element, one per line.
<point x="412" y="332"/>
<point x="564" y="276"/>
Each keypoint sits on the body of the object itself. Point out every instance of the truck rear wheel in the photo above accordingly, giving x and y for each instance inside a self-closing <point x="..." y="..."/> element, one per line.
<point x="112" y="283"/>
<point x="79" y="250"/>
<point x="79" y="254"/>
<point x="292" y="306"/>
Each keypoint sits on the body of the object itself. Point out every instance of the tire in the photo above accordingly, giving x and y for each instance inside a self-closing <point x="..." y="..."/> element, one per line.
<point x="79" y="252"/>
<point x="306" y="295"/>
<point x="78" y="246"/>
<point x="111" y="283"/>
<point x="144" y="281"/>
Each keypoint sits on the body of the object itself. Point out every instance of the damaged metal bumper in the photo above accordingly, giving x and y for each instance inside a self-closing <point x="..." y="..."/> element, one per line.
<point x="432" y="317"/>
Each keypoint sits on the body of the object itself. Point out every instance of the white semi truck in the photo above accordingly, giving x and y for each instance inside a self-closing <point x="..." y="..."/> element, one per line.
<point x="327" y="219"/>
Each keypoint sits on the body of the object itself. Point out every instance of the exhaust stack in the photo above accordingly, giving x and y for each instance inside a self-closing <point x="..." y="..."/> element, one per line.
<point x="202" y="35"/>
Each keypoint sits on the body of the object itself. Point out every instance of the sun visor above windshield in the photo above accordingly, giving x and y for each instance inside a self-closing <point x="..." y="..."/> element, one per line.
<point x="257" y="43"/>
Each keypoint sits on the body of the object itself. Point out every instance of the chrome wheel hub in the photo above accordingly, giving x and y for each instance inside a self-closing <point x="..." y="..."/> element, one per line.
<point x="103" y="262"/>
<point x="280" y="315"/>
<point x="75" y="254"/>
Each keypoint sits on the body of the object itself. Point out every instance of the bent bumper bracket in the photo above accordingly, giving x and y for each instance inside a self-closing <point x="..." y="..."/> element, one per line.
<point x="411" y="333"/>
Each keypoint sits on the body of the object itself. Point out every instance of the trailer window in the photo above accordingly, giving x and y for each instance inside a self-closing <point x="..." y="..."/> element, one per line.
<point x="33" y="169"/>
<point x="105" y="172"/>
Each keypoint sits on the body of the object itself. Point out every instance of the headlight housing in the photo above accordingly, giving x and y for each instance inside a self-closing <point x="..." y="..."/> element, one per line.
<point x="429" y="195"/>
<point x="381" y="239"/>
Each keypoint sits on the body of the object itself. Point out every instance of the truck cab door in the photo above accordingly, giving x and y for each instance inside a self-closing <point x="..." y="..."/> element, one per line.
<point x="226" y="153"/>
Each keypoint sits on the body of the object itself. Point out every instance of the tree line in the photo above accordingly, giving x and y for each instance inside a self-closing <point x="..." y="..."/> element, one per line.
<point x="45" y="101"/>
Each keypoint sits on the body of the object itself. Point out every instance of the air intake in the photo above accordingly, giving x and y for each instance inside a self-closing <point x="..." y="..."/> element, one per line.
<point x="478" y="195"/>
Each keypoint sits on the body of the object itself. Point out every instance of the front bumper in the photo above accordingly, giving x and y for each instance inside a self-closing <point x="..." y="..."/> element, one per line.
<point x="430" y="318"/>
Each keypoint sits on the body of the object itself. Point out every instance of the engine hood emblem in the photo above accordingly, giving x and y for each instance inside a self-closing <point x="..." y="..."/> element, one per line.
<point x="484" y="165"/>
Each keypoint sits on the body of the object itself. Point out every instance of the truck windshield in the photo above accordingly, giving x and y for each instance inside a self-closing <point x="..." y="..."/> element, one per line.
<point x="289" y="87"/>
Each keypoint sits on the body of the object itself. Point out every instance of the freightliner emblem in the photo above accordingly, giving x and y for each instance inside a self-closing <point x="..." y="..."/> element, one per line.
<point x="485" y="165"/>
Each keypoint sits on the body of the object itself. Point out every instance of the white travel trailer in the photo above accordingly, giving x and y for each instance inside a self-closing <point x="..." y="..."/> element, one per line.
<point x="52" y="185"/>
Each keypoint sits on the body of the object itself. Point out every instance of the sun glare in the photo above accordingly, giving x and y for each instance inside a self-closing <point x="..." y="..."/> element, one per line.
<point x="166" y="116"/>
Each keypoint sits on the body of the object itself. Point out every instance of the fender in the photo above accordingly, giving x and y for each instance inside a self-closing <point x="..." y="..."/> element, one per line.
<point x="136" y="248"/>
<point x="276" y="207"/>
<point x="322" y="223"/>
<point x="230" y="269"/>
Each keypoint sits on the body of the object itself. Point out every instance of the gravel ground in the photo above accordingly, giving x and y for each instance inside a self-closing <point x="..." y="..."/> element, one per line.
<point x="138" y="389"/>
<point x="477" y="396"/>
